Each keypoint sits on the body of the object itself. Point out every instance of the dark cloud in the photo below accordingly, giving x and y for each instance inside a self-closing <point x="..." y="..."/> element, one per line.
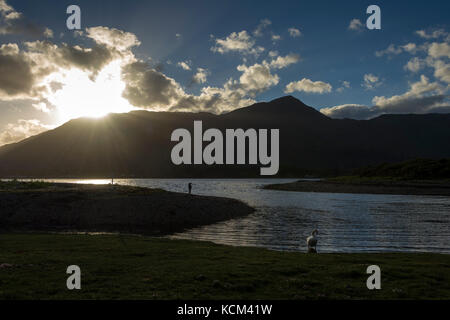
<point x="16" y="76"/>
<point x="90" y="59"/>
<point x="147" y="87"/>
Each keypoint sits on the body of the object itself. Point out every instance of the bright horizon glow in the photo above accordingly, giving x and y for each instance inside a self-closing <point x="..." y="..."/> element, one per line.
<point x="81" y="96"/>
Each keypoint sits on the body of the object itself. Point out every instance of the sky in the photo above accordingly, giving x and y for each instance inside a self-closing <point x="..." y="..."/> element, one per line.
<point x="216" y="56"/>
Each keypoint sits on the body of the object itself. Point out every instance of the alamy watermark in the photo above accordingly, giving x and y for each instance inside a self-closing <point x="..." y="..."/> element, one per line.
<point x="235" y="139"/>
<point x="74" y="280"/>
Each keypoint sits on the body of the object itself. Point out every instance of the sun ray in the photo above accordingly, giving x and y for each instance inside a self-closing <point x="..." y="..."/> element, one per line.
<point x="82" y="96"/>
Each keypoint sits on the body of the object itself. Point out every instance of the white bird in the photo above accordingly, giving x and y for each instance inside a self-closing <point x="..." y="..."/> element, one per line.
<point x="311" y="241"/>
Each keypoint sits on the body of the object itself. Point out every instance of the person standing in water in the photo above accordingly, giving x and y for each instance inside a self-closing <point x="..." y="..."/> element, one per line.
<point x="190" y="187"/>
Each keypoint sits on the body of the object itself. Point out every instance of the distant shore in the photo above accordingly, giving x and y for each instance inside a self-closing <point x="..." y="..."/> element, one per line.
<point x="367" y="186"/>
<point x="64" y="207"/>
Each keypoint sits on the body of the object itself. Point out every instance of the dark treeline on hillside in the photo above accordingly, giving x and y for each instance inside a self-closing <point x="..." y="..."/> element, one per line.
<point x="412" y="169"/>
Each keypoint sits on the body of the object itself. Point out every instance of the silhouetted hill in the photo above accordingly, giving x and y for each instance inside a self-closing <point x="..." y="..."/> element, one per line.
<point x="137" y="144"/>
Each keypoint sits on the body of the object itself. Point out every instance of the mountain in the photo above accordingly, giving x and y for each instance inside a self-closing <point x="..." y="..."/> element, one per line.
<point x="137" y="144"/>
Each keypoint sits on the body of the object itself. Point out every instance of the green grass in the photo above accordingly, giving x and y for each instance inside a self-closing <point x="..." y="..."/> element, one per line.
<point x="133" y="267"/>
<point x="8" y="185"/>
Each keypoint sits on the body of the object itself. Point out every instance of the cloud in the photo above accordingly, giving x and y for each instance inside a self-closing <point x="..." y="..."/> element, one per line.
<point x="48" y="33"/>
<point x="16" y="75"/>
<point x="276" y="37"/>
<point x="411" y="48"/>
<point x="149" y="88"/>
<point x="24" y="72"/>
<point x="355" y="25"/>
<point x="422" y="97"/>
<point x="414" y="65"/>
<point x="371" y="81"/>
<point x="441" y="70"/>
<point x="306" y="85"/>
<point x="345" y="85"/>
<point x="257" y="78"/>
<point x="184" y="65"/>
<point x="264" y="23"/>
<point x="282" y="62"/>
<point x="22" y="129"/>
<point x="42" y="70"/>
<point x="200" y="76"/>
<point x="113" y="38"/>
<point x="51" y="56"/>
<point x="438" y="50"/>
<point x="350" y="111"/>
<point x="294" y="32"/>
<point x="432" y="35"/>
<point x="13" y="22"/>
<point x="237" y="42"/>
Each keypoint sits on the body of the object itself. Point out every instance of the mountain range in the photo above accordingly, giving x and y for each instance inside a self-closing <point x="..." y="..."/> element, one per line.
<point x="138" y="144"/>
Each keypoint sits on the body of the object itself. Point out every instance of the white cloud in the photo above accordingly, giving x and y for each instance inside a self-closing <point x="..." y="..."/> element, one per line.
<point x="22" y="129"/>
<point x="344" y="85"/>
<point x="48" y="33"/>
<point x="350" y="111"/>
<point x="264" y="23"/>
<point x="441" y="70"/>
<point x="415" y="64"/>
<point x="238" y="42"/>
<point x="294" y="32"/>
<point x="282" y="62"/>
<point x="432" y="35"/>
<point x="306" y="85"/>
<point x="392" y="49"/>
<point x="113" y="38"/>
<point x="200" y="76"/>
<point x="276" y="37"/>
<point x="422" y="97"/>
<point x="184" y="65"/>
<point x="371" y="81"/>
<point x="257" y="78"/>
<point x="438" y="50"/>
<point x="355" y="25"/>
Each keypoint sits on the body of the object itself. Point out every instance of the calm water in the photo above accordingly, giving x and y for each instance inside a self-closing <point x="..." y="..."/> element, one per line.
<point x="346" y="222"/>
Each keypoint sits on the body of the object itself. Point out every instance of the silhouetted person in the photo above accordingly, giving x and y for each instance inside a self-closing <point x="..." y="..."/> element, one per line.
<point x="190" y="187"/>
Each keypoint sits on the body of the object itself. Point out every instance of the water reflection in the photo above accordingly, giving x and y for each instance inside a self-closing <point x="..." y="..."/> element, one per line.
<point x="347" y="222"/>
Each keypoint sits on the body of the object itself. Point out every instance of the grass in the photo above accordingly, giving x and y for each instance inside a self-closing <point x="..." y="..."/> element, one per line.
<point x="8" y="185"/>
<point x="134" y="267"/>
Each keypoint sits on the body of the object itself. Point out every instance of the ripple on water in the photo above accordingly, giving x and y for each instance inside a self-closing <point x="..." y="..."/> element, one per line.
<point x="346" y="222"/>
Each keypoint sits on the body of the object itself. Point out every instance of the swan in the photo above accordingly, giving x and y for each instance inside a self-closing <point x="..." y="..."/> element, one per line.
<point x="311" y="241"/>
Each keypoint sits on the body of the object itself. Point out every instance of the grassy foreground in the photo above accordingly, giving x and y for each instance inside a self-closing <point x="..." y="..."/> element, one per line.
<point x="133" y="267"/>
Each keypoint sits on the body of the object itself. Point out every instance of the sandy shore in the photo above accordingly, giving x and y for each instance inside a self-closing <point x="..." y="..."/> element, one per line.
<point x="106" y="208"/>
<point x="377" y="187"/>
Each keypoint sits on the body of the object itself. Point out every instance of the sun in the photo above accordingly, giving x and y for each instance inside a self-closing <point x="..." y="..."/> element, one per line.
<point x="78" y="95"/>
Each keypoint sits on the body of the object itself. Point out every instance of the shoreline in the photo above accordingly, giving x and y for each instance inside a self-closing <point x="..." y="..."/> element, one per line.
<point x="66" y="207"/>
<point x="367" y="186"/>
